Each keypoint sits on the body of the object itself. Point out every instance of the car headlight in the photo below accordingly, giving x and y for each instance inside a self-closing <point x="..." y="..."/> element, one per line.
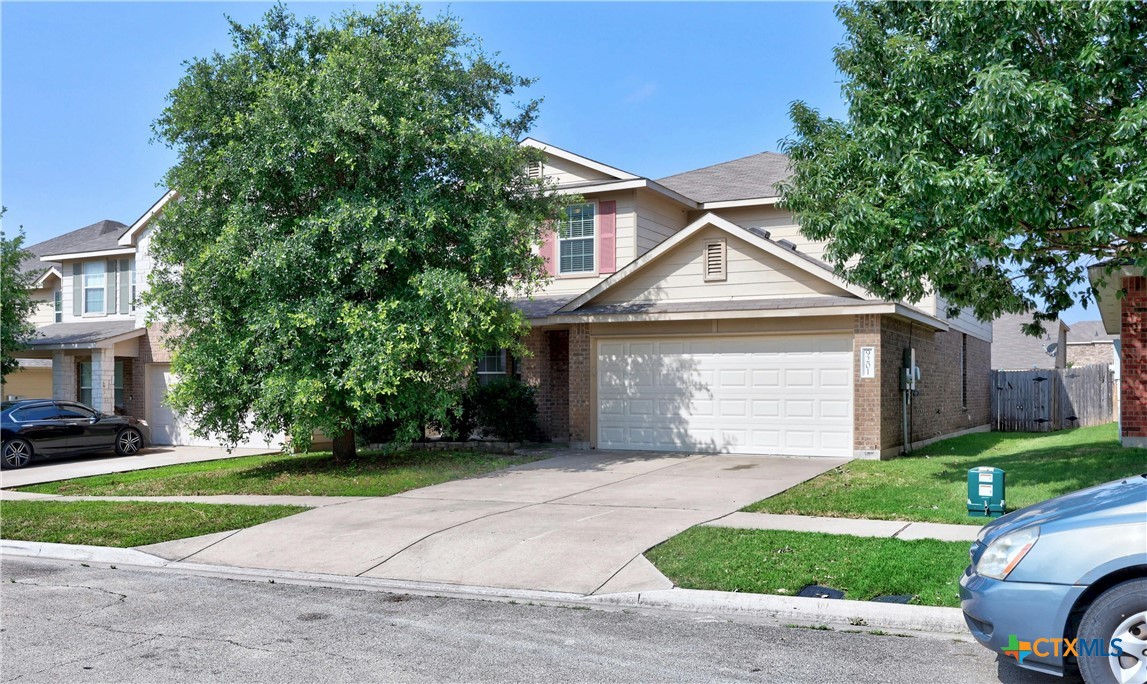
<point x="143" y="422"/>
<point x="1005" y="553"/>
<point x="983" y="533"/>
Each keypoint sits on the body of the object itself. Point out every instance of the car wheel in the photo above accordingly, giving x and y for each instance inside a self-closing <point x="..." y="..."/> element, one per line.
<point x="1119" y="613"/>
<point x="128" y="442"/>
<point x="17" y="454"/>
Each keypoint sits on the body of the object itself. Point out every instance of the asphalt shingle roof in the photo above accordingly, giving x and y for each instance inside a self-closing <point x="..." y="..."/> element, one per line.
<point x="751" y="177"/>
<point x="80" y="333"/>
<point x="1083" y="332"/>
<point x="1013" y="350"/>
<point x="98" y="236"/>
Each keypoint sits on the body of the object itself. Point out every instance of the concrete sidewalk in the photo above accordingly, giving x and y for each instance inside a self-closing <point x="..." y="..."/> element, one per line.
<point x="53" y="470"/>
<point x="859" y="527"/>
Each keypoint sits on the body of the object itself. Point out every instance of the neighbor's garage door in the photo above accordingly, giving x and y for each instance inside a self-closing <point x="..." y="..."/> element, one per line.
<point x="167" y="427"/>
<point x="747" y="395"/>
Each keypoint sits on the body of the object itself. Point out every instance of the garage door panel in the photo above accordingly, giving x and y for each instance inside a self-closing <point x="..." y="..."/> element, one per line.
<point x="767" y="395"/>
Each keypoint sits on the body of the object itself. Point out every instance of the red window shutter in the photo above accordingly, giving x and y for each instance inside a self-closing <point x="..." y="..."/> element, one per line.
<point x="549" y="249"/>
<point x="607" y="236"/>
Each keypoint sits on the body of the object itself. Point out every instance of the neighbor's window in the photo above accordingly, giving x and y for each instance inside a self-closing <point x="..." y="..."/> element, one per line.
<point x="576" y="239"/>
<point x="131" y="302"/>
<point x="491" y="365"/>
<point x="58" y="302"/>
<point x="120" y="401"/>
<point x="120" y="397"/>
<point x="85" y="383"/>
<point x="94" y="283"/>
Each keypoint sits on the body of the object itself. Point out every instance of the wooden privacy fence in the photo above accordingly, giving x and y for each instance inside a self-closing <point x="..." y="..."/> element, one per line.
<point x="1046" y="400"/>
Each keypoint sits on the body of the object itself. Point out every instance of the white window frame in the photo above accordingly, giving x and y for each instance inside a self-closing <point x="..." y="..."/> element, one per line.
<point x="565" y="240"/>
<point x="102" y="287"/>
<point x="58" y="305"/>
<point x="500" y="354"/>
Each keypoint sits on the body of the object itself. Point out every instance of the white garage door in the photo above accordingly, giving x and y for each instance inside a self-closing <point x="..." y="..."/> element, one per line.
<point x="747" y="395"/>
<point x="167" y="427"/>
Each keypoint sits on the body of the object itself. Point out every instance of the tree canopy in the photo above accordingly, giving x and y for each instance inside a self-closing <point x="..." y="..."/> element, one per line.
<point x="16" y="304"/>
<point x="992" y="151"/>
<point x="353" y="213"/>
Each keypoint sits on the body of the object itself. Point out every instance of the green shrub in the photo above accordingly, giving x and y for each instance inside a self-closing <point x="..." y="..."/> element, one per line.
<point x="506" y="409"/>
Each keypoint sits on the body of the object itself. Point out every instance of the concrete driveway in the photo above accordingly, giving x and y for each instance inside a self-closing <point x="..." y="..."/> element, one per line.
<point x="577" y="522"/>
<point x="54" y="469"/>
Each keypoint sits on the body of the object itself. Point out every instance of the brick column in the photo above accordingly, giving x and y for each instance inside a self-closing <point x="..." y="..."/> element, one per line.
<point x="65" y="384"/>
<point x="579" y="383"/>
<point x="103" y="380"/>
<point x="1133" y="368"/>
<point x="866" y="404"/>
<point x="535" y="370"/>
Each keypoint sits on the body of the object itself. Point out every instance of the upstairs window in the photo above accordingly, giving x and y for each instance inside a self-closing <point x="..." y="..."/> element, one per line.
<point x="576" y="236"/>
<point x="58" y="303"/>
<point x="95" y="280"/>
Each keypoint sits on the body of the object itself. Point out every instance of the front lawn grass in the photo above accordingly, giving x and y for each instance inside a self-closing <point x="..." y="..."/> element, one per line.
<point x="931" y="484"/>
<point x="317" y="474"/>
<point x="777" y="562"/>
<point x="126" y="523"/>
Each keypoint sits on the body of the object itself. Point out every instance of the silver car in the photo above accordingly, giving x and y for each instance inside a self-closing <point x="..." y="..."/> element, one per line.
<point x="1063" y="584"/>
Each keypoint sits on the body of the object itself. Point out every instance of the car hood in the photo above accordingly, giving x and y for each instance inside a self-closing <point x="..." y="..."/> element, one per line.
<point x="1102" y="504"/>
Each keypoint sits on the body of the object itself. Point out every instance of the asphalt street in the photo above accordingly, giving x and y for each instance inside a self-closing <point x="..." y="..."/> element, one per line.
<point x="62" y="621"/>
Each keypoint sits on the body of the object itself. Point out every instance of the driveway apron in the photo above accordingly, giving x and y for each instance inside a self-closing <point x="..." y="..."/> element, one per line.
<point x="568" y="523"/>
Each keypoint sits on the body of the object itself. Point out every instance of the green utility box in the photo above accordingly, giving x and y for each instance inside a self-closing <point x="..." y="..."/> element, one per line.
<point x="986" y="492"/>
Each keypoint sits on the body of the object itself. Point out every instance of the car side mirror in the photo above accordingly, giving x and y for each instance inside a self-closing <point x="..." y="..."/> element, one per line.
<point x="94" y="419"/>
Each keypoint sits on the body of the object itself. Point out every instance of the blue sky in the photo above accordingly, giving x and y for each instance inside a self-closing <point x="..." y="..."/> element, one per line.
<point x="652" y="88"/>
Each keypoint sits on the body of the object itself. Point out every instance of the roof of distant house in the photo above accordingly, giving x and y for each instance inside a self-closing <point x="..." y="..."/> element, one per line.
<point x="752" y="177"/>
<point x="1013" y="350"/>
<point x="1088" y="332"/>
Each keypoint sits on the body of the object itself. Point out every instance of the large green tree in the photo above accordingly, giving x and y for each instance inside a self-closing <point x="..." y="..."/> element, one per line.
<point x="992" y="150"/>
<point x="16" y="304"/>
<point x="353" y="212"/>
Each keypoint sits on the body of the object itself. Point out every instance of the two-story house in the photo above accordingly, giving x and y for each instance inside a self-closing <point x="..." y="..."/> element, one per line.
<point x="690" y="313"/>
<point x="684" y="314"/>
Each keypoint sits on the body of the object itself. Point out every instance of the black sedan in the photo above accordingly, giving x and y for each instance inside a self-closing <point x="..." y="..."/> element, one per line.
<point x="35" y="428"/>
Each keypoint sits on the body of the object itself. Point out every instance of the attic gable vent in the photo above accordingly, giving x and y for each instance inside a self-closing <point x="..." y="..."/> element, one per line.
<point x="715" y="260"/>
<point x="534" y="170"/>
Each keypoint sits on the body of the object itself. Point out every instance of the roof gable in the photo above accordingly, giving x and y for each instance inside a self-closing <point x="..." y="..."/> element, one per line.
<point x="572" y="168"/>
<point x="758" y="268"/>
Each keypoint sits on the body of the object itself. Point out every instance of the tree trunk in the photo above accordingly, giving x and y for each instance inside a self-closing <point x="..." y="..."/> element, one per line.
<point x="344" y="448"/>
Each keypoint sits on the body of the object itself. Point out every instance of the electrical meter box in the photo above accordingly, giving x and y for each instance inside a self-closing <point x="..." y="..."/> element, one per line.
<point x="986" y="492"/>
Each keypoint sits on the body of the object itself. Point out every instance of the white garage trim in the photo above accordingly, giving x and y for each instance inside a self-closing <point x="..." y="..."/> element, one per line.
<point x="751" y="394"/>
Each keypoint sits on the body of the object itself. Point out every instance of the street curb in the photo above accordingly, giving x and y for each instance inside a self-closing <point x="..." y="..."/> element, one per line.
<point x="785" y="610"/>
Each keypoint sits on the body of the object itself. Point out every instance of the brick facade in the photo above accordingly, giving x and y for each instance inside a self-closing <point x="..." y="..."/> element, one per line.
<point x="1133" y="365"/>
<point x="580" y="382"/>
<point x="546" y="369"/>
<point x="559" y="366"/>
<point x="1090" y="354"/>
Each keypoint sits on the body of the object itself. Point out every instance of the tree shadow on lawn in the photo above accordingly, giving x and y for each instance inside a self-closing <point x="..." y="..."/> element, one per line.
<point x="1056" y="470"/>
<point x="370" y="463"/>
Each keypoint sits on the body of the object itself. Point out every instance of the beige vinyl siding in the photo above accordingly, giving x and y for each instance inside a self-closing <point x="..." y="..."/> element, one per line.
<point x="111" y="297"/>
<point x="564" y="172"/>
<point x="624" y="234"/>
<point x="780" y="224"/>
<point x="966" y="322"/>
<point x="28" y="383"/>
<point x="658" y="218"/>
<point x="752" y="274"/>
<point x="45" y="311"/>
<point x="733" y="326"/>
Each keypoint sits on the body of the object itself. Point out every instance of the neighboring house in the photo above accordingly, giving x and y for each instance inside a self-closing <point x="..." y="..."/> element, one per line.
<point x="691" y="314"/>
<point x="91" y="333"/>
<point x="1013" y="350"/>
<point x="684" y="314"/>
<point x="1122" y="300"/>
<point x="1088" y="342"/>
